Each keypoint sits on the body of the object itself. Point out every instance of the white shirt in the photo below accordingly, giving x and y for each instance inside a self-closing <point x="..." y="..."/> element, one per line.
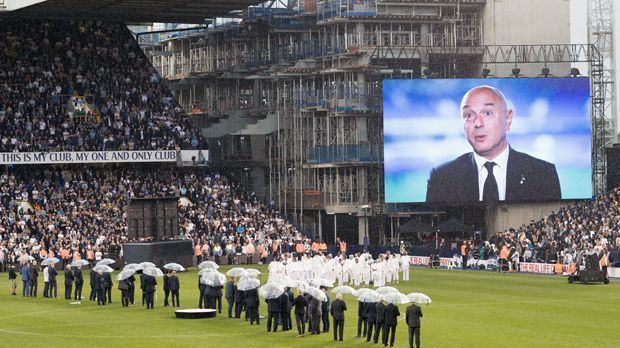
<point x="499" y="171"/>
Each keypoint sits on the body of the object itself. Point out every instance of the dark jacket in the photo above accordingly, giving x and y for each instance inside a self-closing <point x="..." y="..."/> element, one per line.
<point x="93" y="278"/>
<point x="173" y="283"/>
<point x="51" y="272"/>
<point x="380" y="309"/>
<point x="527" y="179"/>
<point x="107" y="277"/>
<point x="69" y="277"/>
<point x="391" y="314"/>
<point x="251" y="298"/>
<point x="361" y="309"/>
<point x="142" y="276"/>
<point x="413" y="315"/>
<point x="230" y="290"/>
<point x="34" y="274"/>
<point x="371" y="312"/>
<point x="77" y="275"/>
<point x="338" y="308"/>
<point x="325" y="305"/>
<point x="166" y="282"/>
<point x="300" y="303"/>
<point x="239" y="296"/>
<point x="122" y="284"/>
<point x="283" y="302"/>
<point x="99" y="281"/>
<point x="314" y="307"/>
<point x="273" y="304"/>
<point x="149" y="283"/>
<point x="218" y="291"/>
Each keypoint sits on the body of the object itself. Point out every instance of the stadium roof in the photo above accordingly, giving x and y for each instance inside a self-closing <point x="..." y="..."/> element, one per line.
<point x="135" y="11"/>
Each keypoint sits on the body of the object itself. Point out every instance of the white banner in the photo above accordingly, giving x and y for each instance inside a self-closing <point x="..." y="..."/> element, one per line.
<point x="103" y="157"/>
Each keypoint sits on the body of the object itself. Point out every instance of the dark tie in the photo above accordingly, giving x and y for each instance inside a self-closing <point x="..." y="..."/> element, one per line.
<point x="489" y="193"/>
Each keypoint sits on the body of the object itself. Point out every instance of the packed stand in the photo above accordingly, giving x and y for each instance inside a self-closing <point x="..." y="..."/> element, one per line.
<point x="79" y="213"/>
<point x="50" y="69"/>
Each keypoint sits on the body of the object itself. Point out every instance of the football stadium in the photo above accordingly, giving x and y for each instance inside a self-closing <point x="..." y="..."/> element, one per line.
<point x="309" y="173"/>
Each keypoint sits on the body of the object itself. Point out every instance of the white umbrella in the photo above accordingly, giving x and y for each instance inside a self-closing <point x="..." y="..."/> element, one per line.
<point x="80" y="262"/>
<point x="26" y="258"/>
<point x="213" y="279"/>
<point x="316" y="293"/>
<point x="285" y="281"/>
<point x="271" y="290"/>
<point x="106" y="262"/>
<point x="384" y="290"/>
<point x="361" y="291"/>
<point x="418" y="298"/>
<point x="174" y="267"/>
<point x="49" y="261"/>
<point x="369" y="296"/>
<point x="248" y="284"/>
<point x="133" y="266"/>
<point x="252" y="271"/>
<point x="344" y="289"/>
<point x="318" y="282"/>
<point x="202" y="272"/>
<point x="103" y="268"/>
<point x="236" y="272"/>
<point x="147" y="264"/>
<point x="125" y="274"/>
<point x="208" y="264"/>
<point x="153" y="272"/>
<point x="395" y="298"/>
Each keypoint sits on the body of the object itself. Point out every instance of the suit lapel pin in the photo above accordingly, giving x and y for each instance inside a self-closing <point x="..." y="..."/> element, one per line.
<point x="522" y="179"/>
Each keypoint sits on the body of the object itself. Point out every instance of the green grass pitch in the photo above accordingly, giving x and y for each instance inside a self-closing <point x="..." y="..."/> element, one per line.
<point x="469" y="309"/>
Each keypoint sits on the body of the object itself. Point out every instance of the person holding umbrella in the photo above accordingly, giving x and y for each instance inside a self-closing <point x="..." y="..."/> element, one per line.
<point x="68" y="282"/>
<point x="124" y="288"/>
<point x="251" y="306"/>
<point x="202" y="288"/>
<point x="107" y="277"/>
<point x="314" y="315"/>
<point x="131" y="284"/>
<point x="230" y="295"/>
<point x="34" y="277"/>
<point x="166" y="288"/>
<point x="79" y="282"/>
<point x="13" y="280"/>
<point x="174" y="286"/>
<point x="337" y="311"/>
<point x="301" y="304"/>
<point x="371" y="319"/>
<point x="391" y="319"/>
<point x="273" y="312"/>
<point x="93" y="287"/>
<point x="149" y="290"/>
<point x="100" y="288"/>
<point x="240" y="303"/>
<point x="51" y="271"/>
<point x="380" y="322"/>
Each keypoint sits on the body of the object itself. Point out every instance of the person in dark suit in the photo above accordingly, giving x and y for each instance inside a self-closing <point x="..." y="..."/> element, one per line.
<point x="301" y="304"/>
<point x="325" y="309"/>
<point x="273" y="313"/>
<point x="239" y="302"/>
<point x="230" y="295"/>
<point x="412" y="317"/>
<point x="289" y="308"/>
<point x="285" y="310"/>
<point x="315" y="312"/>
<point x="174" y="286"/>
<point x="166" y="288"/>
<point x="251" y="306"/>
<point x="201" y="288"/>
<point x="209" y="297"/>
<point x="131" y="283"/>
<point x="149" y="290"/>
<point x="380" y="322"/>
<point x="34" y="279"/>
<point x="68" y="282"/>
<point x="493" y="171"/>
<point x="51" y="271"/>
<point x="361" y="319"/>
<point x="79" y="282"/>
<point x="142" y="275"/>
<point x="371" y="319"/>
<point x="391" y="319"/>
<point x="337" y="311"/>
<point x="124" y="288"/>
<point x="100" y="288"/>
<point x="25" y="273"/>
<point x="93" y="287"/>
<point x="108" y="283"/>
<point x="218" y="298"/>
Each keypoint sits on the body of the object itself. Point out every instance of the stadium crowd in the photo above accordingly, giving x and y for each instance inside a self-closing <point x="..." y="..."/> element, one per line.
<point x="49" y="69"/>
<point x="79" y="213"/>
<point x="561" y="237"/>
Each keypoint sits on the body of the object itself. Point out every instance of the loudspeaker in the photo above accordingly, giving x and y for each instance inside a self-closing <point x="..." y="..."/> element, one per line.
<point x="613" y="166"/>
<point x="153" y="218"/>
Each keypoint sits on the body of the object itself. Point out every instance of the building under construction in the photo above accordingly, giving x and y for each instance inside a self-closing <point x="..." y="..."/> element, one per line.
<point x="289" y="94"/>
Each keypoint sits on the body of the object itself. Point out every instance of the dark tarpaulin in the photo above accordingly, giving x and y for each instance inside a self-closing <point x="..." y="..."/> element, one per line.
<point x="453" y="226"/>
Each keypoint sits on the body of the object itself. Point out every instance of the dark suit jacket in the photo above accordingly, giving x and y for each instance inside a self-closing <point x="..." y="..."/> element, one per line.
<point x="51" y="272"/>
<point x="173" y="283"/>
<point x="380" y="309"/>
<point x="527" y="179"/>
<point x="230" y="290"/>
<point x="371" y="312"/>
<point x="413" y="315"/>
<point x="107" y="277"/>
<point x="79" y="278"/>
<point x="93" y="278"/>
<point x="300" y="304"/>
<point x="251" y="298"/>
<point x="338" y="308"/>
<point x="149" y="283"/>
<point x="391" y="314"/>
<point x="69" y="277"/>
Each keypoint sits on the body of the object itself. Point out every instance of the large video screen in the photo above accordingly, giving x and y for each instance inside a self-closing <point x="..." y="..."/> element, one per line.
<point x="483" y="140"/>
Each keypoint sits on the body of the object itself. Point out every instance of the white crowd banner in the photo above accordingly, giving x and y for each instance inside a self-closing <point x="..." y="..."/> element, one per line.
<point x="197" y="156"/>
<point x="544" y="268"/>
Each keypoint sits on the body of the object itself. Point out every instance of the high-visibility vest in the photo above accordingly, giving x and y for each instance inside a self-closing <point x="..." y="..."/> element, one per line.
<point x="557" y="269"/>
<point x="250" y="249"/>
<point x="315" y="247"/>
<point x="603" y="261"/>
<point x="197" y="251"/>
<point x="299" y="248"/>
<point x="572" y="268"/>
<point x="76" y="255"/>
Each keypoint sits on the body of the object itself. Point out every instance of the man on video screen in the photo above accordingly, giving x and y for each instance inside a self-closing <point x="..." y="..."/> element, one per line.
<point x="493" y="171"/>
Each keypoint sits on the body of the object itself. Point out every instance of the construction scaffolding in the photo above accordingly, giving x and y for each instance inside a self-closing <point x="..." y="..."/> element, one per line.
<point x="290" y="97"/>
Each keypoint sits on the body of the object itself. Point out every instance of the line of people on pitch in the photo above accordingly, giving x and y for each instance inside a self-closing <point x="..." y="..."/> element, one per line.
<point x="29" y="272"/>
